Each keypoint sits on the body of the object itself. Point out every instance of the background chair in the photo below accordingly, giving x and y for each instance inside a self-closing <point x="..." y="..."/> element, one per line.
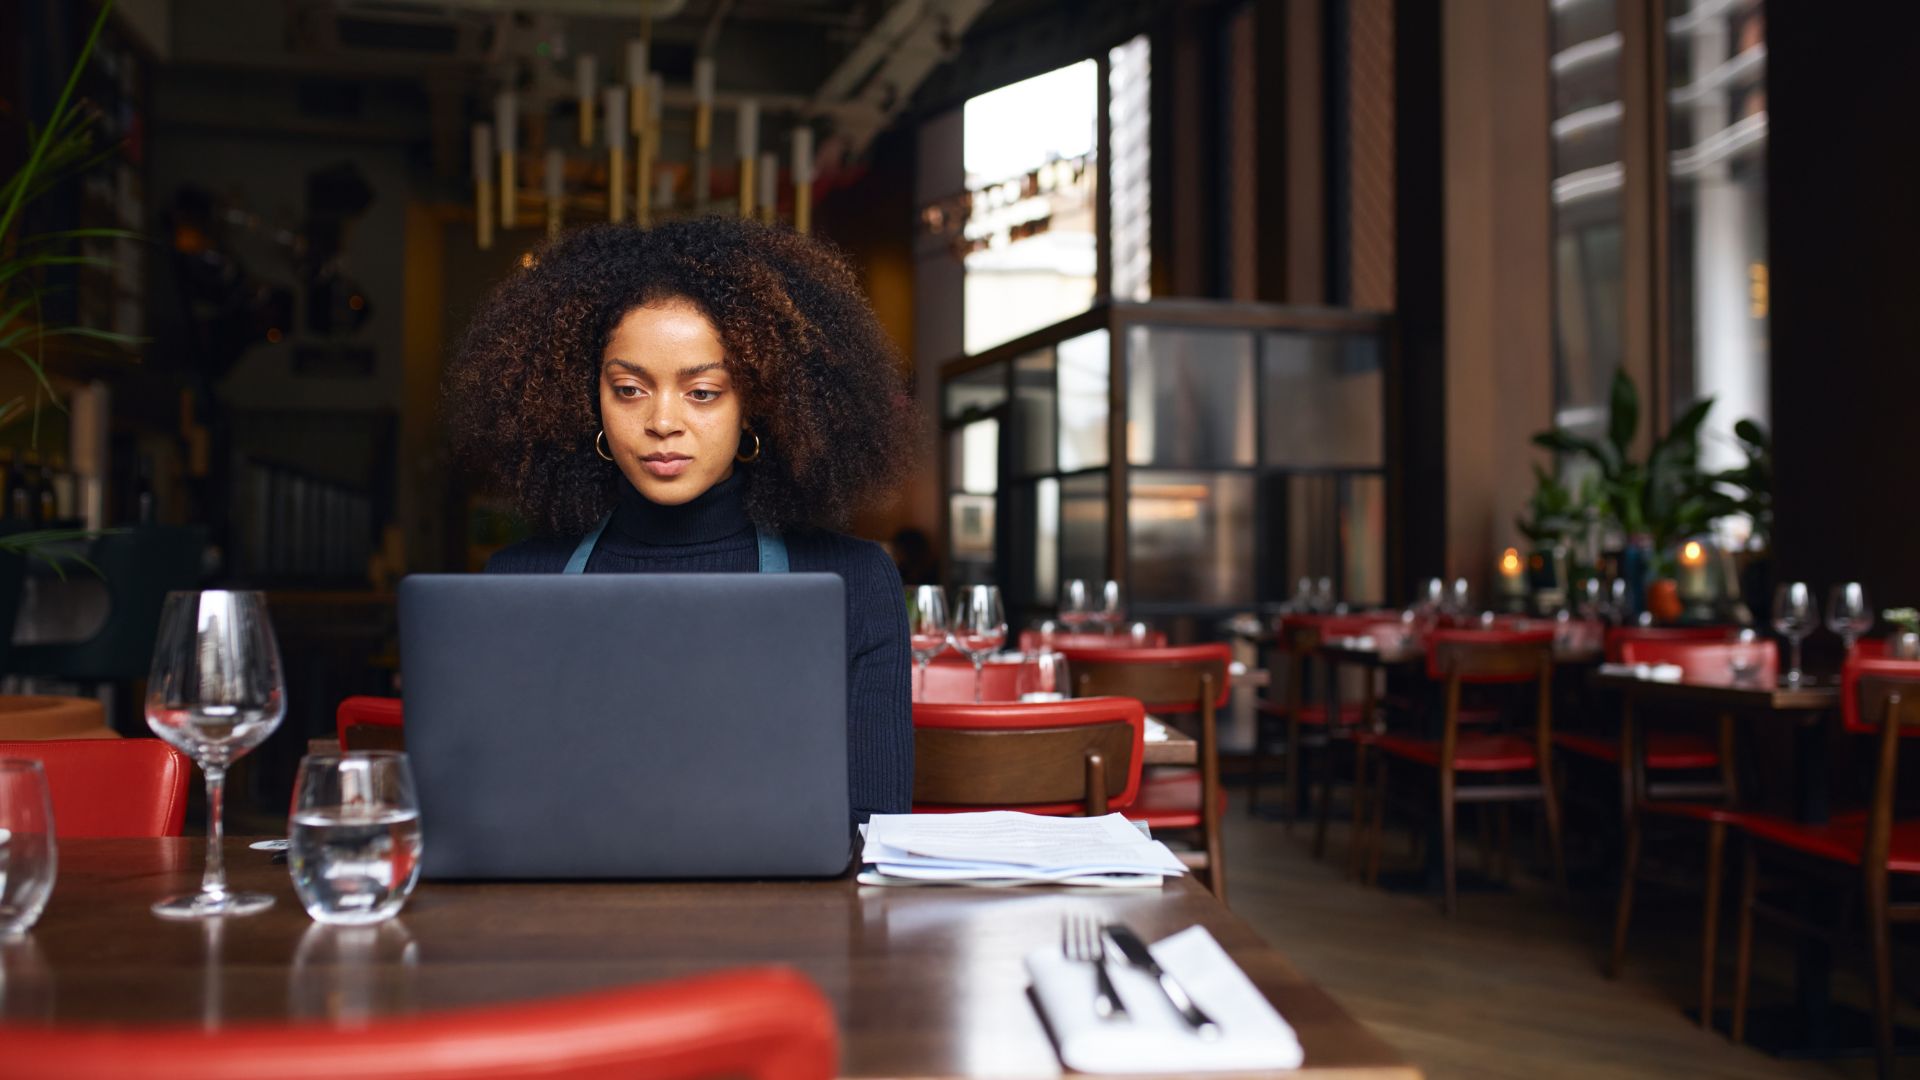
<point x="1064" y="757"/>
<point x="759" y="1023"/>
<point x="949" y="678"/>
<point x="370" y="723"/>
<point x="1619" y="636"/>
<point x="1031" y="640"/>
<point x="1306" y="723"/>
<point x="1640" y="750"/>
<point x="1879" y="697"/>
<point x="1458" y="658"/>
<point x="1181" y="680"/>
<point x="111" y="787"/>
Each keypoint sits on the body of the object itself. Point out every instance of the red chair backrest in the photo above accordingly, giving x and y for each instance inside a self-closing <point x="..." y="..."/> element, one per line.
<point x="1487" y="656"/>
<point x="762" y="1023"/>
<point x="1085" y="664"/>
<point x="1707" y="661"/>
<point x="1030" y="640"/>
<point x="949" y="678"/>
<point x="1334" y="626"/>
<point x="1864" y="684"/>
<point x="1045" y="748"/>
<point x="363" y="711"/>
<point x="1871" y="648"/>
<point x="1618" y="636"/>
<point x="111" y="787"/>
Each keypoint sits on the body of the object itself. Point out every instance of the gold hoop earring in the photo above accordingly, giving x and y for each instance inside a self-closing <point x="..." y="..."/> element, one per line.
<point x="748" y="459"/>
<point x="599" y="442"/>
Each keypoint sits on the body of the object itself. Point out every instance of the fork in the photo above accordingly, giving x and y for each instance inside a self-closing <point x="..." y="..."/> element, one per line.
<point x="1081" y="941"/>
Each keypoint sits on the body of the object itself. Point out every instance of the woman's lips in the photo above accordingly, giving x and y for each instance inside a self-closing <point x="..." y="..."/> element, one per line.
<point x="666" y="466"/>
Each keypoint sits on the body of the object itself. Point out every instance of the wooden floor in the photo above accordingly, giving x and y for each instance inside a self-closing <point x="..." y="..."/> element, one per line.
<point x="1511" y="986"/>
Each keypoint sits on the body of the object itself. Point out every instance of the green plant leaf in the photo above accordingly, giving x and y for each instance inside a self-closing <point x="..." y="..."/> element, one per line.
<point x="1623" y="413"/>
<point x="41" y="142"/>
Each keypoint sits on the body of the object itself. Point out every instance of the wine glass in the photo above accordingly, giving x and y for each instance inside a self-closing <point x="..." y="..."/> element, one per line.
<point x="1848" y="612"/>
<point x="1113" y="607"/>
<point x="979" y="627"/>
<point x="1043" y="678"/>
<point x="215" y="692"/>
<point x="1076" y="605"/>
<point x="1794" y="617"/>
<point x="28" y="855"/>
<point x="1460" y="598"/>
<point x="1323" y="600"/>
<point x="927" y="628"/>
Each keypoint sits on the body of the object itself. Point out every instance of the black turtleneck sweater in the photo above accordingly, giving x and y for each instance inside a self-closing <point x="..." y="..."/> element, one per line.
<point x="712" y="534"/>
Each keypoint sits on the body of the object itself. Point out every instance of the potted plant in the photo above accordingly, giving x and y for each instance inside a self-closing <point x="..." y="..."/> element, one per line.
<point x="1905" y="642"/>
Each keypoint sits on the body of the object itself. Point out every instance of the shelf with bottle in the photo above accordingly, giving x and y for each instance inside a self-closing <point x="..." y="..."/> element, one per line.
<point x="37" y="492"/>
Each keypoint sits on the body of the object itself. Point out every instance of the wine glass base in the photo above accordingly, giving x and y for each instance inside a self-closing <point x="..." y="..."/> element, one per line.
<point x="212" y="905"/>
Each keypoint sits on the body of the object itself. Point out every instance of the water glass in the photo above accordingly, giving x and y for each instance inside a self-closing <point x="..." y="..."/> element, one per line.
<point x="1076" y="605"/>
<point x="1849" y="614"/>
<point x="28" y="856"/>
<point x="356" y="845"/>
<point x="1323" y="598"/>
<point x="1044" y="678"/>
<point x="215" y="692"/>
<point x="979" y="627"/>
<point x="927" y="628"/>
<point x="1794" y="617"/>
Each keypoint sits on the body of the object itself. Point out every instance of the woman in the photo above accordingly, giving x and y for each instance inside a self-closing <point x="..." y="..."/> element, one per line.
<point x="705" y="396"/>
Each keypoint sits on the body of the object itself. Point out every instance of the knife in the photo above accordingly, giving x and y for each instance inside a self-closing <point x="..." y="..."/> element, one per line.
<point x="1134" y="951"/>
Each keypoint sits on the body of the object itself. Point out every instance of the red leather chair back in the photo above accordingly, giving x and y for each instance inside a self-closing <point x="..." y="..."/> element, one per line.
<point x="1334" y="626"/>
<point x="363" y="711"/>
<point x="1030" y="640"/>
<point x="1083" y="663"/>
<point x="1487" y="656"/>
<point x="1865" y="682"/>
<point x="111" y="787"/>
<point x="1033" y="753"/>
<point x="949" y="678"/>
<point x="1707" y="661"/>
<point x="761" y="1023"/>
<point x="1618" y="636"/>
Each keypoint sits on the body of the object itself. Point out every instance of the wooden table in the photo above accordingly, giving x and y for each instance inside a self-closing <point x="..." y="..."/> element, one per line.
<point x="1814" y="1026"/>
<point x="927" y="982"/>
<point x="1179" y="748"/>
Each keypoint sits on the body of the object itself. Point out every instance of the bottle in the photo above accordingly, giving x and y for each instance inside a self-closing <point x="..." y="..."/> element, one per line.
<point x="66" y="488"/>
<point x="45" y="505"/>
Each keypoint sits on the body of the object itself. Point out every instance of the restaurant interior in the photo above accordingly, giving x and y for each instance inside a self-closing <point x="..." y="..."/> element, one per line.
<point x="1402" y="519"/>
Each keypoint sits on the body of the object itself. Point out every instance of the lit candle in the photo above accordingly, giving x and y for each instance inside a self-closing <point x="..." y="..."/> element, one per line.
<point x="747" y="146"/>
<point x="556" y="188"/>
<point x="506" y="128"/>
<point x="616" y="105"/>
<point x="769" y="185"/>
<point x="1513" y="574"/>
<point x="483" y="185"/>
<point x="802" y="177"/>
<point x="1693" y="571"/>
<point x="586" y="79"/>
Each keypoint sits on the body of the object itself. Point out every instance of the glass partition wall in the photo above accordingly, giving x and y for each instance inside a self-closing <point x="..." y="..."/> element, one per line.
<point x="1249" y="451"/>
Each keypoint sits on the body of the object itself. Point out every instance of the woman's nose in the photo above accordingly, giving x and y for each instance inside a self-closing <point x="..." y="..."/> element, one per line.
<point x="663" y="421"/>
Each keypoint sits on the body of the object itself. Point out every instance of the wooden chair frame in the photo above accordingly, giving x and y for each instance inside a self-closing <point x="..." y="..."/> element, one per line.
<point x="1058" y="757"/>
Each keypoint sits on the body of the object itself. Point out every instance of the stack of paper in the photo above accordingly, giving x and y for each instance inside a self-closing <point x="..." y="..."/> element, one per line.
<point x="1002" y="847"/>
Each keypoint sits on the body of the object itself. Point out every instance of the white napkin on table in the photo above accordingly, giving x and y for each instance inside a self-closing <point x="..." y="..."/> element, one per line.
<point x="1152" y="1038"/>
<point x="1646" y="672"/>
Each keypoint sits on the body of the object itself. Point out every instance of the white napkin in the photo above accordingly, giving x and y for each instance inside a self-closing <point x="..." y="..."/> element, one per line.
<point x="1152" y="1038"/>
<point x="1646" y="672"/>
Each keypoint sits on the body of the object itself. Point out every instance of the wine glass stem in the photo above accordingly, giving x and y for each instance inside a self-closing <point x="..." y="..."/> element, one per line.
<point x="979" y="676"/>
<point x="214" y="881"/>
<point x="920" y="691"/>
<point x="1793" y="666"/>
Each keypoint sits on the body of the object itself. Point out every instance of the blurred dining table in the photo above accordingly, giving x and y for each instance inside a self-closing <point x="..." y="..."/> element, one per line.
<point x="925" y="982"/>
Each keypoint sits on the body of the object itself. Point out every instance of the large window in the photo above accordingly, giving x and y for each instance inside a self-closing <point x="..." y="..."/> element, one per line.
<point x="1589" y="289"/>
<point x="1029" y="237"/>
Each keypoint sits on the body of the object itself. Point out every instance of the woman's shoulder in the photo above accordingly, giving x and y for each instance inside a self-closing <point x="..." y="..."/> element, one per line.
<point x="861" y="562"/>
<point x="540" y="555"/>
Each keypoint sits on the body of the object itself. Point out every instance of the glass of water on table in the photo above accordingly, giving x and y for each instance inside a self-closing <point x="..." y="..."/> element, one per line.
<point x="356" y="845"/>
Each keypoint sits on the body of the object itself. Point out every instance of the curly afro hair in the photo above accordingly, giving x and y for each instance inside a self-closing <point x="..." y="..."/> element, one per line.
<point x="822" y="385"/>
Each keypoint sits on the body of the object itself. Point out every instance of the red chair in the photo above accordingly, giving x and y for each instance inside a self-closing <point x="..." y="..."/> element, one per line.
<point x="1457" y="658"/>
<point x="761" y="1023"/>
<point x="1619" y="636"/>
<point x="1060" y="758"/>
<point x="949" y="678"/>
<point x="370" y="723"/>
<point x="111" y="787"/>
<point x="1881" y="698"/>
<point x="1648" y="800"/>
<point x="1179" y="680"/>
<point x="1031" y="640"/>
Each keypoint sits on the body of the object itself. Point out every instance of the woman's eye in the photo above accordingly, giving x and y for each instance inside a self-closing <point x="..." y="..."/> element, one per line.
<point x="703" y="395"/>
<point x="626" y="391"/>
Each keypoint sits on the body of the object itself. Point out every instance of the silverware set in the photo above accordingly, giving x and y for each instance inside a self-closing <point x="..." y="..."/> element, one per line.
<point x="1085" y="939"/>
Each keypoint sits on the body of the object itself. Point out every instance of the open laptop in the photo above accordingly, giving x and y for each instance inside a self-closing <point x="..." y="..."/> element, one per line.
<point x="628" y="725"/>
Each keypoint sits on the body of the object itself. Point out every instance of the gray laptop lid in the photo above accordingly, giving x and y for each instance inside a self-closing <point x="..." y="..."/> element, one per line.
<point x="628" y="725"/>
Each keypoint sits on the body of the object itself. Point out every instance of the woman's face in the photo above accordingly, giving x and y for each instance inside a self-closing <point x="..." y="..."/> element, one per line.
<point x="672" y="417"/>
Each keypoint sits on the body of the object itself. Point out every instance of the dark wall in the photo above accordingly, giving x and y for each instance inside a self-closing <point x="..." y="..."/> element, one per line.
<point x="1416" y="423"/>
<point x="1844" y="233"/>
